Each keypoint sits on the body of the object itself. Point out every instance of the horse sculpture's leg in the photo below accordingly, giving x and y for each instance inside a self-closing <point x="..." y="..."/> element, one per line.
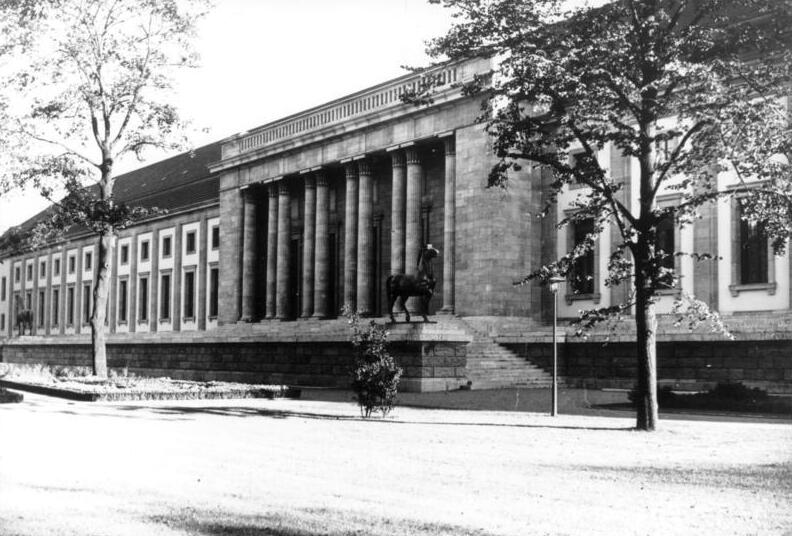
<point x="404" y="304"/>
<point x="425" y="303"/>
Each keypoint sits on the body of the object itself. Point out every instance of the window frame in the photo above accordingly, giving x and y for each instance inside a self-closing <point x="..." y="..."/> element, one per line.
<point x="595" y="295"/>
<point x="737" y="286"/>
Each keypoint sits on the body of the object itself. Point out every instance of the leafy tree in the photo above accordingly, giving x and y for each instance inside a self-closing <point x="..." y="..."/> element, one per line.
<point x="91" y="85"/>
<point x="589" y="77"/>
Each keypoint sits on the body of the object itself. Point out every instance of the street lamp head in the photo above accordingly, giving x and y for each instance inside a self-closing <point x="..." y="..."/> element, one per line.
<point x="554" y="282"/>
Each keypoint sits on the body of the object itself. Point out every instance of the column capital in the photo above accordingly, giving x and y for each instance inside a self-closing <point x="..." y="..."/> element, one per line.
<point x="397" y="159"/>
<point x="272" y="190"/>
<point x="321" y="178"/>
<point x="449" y="144"/>
<point x="412" y="155"/>
<point x="283" y="188"/>
<point x="310" y="182"/>
<point x="351" y="170"/>
<point x="364" y="167"/>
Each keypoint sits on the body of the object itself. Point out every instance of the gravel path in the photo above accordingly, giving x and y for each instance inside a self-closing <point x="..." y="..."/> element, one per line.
<point x="299" y="468"/>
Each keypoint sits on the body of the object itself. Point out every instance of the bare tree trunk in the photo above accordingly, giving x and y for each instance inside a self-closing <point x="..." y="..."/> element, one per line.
<point x="101" y="293"/>
<point x="646" y="339"/>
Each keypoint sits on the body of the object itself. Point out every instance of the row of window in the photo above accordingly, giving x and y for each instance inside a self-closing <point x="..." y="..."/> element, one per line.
<point x="752" y="243"/>
<point x="189" y="305"/>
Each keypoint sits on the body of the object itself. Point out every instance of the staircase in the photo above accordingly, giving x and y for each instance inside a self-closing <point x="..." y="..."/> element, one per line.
<point x="492" y="366"/>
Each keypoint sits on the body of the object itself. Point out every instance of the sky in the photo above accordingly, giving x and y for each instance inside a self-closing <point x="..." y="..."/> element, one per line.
<point x="265" y="59"/>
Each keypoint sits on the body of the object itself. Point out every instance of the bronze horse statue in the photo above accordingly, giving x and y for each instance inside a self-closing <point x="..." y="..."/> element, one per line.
<point x="421" y="284"/>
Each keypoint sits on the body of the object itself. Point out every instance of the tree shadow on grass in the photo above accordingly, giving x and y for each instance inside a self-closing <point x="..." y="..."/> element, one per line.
<point x="244" y="411"/>
<point x="773" y="476"/>
<point x="306" y="522"/>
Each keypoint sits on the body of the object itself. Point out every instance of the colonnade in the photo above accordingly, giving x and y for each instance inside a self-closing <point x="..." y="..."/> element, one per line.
<point x="358" y="254"/>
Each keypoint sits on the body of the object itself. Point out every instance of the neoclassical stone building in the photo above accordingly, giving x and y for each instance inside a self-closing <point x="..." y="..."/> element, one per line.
<point x="270" y="232"/>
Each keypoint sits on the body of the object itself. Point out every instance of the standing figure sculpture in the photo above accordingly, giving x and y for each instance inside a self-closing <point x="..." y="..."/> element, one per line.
<point x="25" y="320"/>
<point x="421" y="284"/>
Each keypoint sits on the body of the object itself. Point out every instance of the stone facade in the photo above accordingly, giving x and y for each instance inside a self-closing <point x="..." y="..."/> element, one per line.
<point x="314" y="212"/>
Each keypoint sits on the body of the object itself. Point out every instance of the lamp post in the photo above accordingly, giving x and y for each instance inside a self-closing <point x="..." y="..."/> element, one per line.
<point x="554" y="282"/>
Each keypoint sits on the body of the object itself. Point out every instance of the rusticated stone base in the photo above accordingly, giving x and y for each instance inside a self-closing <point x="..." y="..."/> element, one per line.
<point x="694" y="365"/>
<point x="433" y="356"/>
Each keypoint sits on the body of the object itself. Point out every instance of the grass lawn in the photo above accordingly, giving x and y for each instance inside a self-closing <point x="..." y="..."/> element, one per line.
<point x="300" y="468"/>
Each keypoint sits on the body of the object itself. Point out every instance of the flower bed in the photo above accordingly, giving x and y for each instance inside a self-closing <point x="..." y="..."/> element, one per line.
<point x="75" y="383"/>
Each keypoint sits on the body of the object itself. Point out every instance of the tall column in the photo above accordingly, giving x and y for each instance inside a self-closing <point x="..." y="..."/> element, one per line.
<point x="322" y="255"/>
<point x="284" y="230"/>
<point x="248" y="257"/>
<point x="412" y="220"/>
<point x="272" y="250"/>
<point x="449" y="224"/>
<point x="350" y="235"/>
<point x="365" y="253"/>
<point x="397" y="213"/>
<point x="308" y="247"/>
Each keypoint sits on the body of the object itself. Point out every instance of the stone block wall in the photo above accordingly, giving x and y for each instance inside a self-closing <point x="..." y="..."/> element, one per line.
<point x="427" y="365"/>
<point x="685" y="364"/>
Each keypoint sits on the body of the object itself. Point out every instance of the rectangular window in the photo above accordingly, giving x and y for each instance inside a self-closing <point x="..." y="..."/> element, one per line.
<point x="55" y="306"/>
<point x="665" y="241"/>
<point x="42" y="269"/>
<point x="70" y="306"/>
<point x="581" y="277"/>
<point x="125" y="254"/>
<point x="189" y="295"/>
<point x="123" y="293"/>
<point x="29" y="272"/>
<point x="72" y="264"/>
<point x="214" y="287"/>
<point x="753" y="253"/>
<point x="165" y="297"/>
<point x="215" y="236"/>
<point x="2" y="322"/>
<point x="16" y="274"/>
<point x="86" y="304"/>
<point x="166" y="246"/>
<point x="144" y="251"/>
<point x="190" y="242"/>
<point x="3" y="289"/>
<point x="143" y="299"/>
<point x="28" y="300"/>
<point x="87" y="261"/>
<point x="56" y="268"/>
<point x="41" y="309"/>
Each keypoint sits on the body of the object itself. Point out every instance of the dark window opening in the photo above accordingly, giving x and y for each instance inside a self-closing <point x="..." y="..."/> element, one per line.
<point x="144" y="250"/>
<point x="41" y="309"/>
<point x="189" y="295"/>
<point x="56" y="267"/>
<point x="216" y="237"/>
<point x="70" y="306"/>
<point x="86" y="304"/>
<point x="165" y="297"/>
<point x="190" y="242"/>
<point x="29" y="272"/>
<point x="665" y="242"/>
<point x="42" y="269"/>
<point x="72" y="264"/>
<point x="143" y="299"/>
<point x="214" y="292"/>
<point x="55" y="306"/>
<point x="125" y="254"/>
<point x="123" y="293"/>
<point x="88" y="261"/>
<point x="166" y="246"/>
<point x="581" y="277"/>
<point x="753" y="253"/>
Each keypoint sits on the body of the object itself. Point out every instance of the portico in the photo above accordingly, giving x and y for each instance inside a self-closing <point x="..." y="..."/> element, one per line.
<point x="332" y="201"/>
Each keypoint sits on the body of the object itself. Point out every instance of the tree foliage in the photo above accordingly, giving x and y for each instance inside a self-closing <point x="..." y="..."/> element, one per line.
<point x="89" y="82"/>
<point x="688" y="89"/>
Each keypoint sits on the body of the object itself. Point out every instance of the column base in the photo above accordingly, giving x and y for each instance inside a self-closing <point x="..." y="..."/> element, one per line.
<point x="319" y="317"/>
<point x="446" y="311"/>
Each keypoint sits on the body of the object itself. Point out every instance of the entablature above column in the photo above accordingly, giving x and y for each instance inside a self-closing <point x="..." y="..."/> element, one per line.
<point x="370" y="120"/>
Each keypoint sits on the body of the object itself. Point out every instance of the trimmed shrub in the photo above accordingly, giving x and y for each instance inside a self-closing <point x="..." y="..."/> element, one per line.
<point x="726" y="396"/>
<point x="375" y="375"/>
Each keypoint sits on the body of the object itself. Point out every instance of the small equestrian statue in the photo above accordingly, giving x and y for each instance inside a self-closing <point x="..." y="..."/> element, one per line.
<point x="421" y="284"/>
<point x="25" y="320"/>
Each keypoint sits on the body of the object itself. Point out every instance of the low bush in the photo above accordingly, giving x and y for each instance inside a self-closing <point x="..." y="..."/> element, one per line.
<point x="375" y="374"/>
<point x="726" y="396"/>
